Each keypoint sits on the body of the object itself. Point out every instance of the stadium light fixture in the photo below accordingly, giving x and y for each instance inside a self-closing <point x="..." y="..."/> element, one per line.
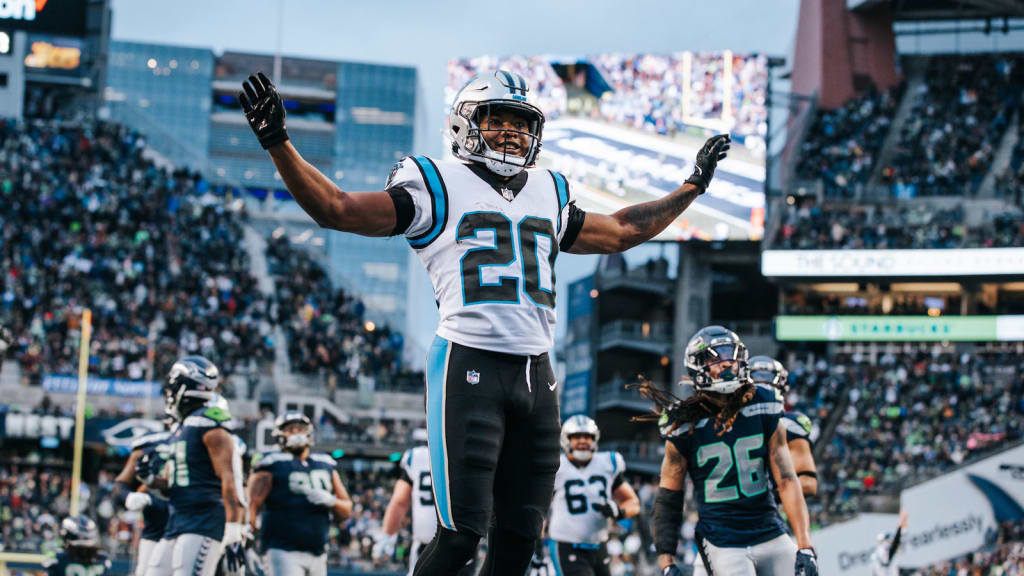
<point x="370" y="326"/>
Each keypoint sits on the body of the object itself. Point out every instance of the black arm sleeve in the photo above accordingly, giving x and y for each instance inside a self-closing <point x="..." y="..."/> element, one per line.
<point x="572" y="227"/>
<point x="404" y="209"/>
<point x="668" y="519"/>
<point x="895" y="543"/>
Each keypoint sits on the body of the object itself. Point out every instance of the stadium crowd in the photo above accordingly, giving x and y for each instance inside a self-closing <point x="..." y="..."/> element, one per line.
<point x="959" y="114"/>
<point x="87" y="220"/>
<point x="841" y="146"/>
<point x="648" y="93"/>
<point x="806" y="225"/>
<point x="325" y="327"/>
<point x="544" y="83"/>
<point x="912" y="415"/>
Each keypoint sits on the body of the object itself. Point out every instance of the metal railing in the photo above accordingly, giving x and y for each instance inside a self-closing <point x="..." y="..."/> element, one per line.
<point x="654" y="332"/>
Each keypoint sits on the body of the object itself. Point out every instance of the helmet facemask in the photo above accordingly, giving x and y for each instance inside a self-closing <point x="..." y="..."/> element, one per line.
<point x="582" y="455"/>
<point x="293" y="432"/>
<point x="507" y="161"/>
<point x="714" y="352"/>
<point x="488" y="93"/>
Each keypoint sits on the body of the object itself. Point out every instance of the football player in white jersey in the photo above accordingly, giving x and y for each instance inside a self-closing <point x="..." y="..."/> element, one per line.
<point x="413" y="491"/>
<point x="488" y="228"/>
<point x="589" y="490"/>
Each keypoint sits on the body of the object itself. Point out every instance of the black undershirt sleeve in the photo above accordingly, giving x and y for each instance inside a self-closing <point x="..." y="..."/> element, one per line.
<point x="572" y="227"/>
<point x="895" y="543"/>
<point x="404" y="209"/>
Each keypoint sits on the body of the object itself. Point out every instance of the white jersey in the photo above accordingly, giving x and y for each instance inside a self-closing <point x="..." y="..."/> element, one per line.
<point x="572" y="517"/>
<point x="881" y="564"/>
<point x="416" y="471"/>
<point x="489" y="247"/>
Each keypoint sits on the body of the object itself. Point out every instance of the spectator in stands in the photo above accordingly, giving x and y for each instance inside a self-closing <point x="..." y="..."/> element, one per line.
<point x="87" y="220"/>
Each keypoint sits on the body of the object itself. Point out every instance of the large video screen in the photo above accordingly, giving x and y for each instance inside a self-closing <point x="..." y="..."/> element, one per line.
<point x="625" y="128"/>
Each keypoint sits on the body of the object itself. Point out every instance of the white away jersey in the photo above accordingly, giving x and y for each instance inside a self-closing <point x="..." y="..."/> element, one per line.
<point x="416" y="471"/>
<point x="489" y="250"/>
<point x="572" y="517"/>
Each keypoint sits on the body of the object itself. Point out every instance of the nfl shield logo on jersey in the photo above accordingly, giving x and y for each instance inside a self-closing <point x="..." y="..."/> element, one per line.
<point x="473" y="377"/>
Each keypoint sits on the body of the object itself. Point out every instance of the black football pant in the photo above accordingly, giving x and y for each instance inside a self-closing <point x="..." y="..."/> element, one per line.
<point x="580" y="559"/>
<point x="492" y="428"/>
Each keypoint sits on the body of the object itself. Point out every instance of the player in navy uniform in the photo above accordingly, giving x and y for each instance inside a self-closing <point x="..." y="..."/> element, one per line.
<point x="133" y="495"/>
<point x="200" y="473"/>
<point x="81" y="554"/>
<point x="722" y="436"/>
<point x="488" y="228"/>
<point x="768" y="371"/>
<point x="292" y="495"/>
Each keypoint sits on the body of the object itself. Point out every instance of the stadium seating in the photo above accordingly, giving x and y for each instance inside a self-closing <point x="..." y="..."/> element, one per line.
<point x="806" y="225"/>
<point x="88" y="220"/>
<point x="908" y="416"/>
<point x="958" y="118"/>
<point x="841" y="146"/>
<point x="325" y="327"/>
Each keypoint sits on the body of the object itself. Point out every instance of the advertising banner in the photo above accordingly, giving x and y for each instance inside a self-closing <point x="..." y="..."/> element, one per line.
<point x="845" y="549"/>
<point x="959" y="512"/>
<point x="893" y="263"/>
<point x="898" y="328"/>
<point x="64" y="384"/>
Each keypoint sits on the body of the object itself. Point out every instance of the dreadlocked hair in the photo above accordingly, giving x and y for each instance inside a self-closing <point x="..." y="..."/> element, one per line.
<point x="724" y="408"/>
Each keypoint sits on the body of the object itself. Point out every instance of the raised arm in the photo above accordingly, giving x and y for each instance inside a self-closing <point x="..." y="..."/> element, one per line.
<point x="367" y="213"/>
<point x="633" y="225"/>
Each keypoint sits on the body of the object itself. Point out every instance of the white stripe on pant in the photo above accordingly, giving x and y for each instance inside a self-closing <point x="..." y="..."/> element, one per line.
<point x="292" y="563"/>
<point x="196" y="555"/>
<point x="158" y="561"/>
<point x="776" y="557"/>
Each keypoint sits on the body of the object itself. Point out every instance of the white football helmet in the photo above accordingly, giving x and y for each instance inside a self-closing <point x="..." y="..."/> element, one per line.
<point x="486" y="93"/>
<point x="579" y="424"/>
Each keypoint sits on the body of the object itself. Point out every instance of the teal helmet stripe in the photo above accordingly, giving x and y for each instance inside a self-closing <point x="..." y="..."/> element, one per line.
<point x="511" y="82"/>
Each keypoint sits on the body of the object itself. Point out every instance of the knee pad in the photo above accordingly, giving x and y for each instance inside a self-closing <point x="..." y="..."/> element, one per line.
<point x="447" y="553"/>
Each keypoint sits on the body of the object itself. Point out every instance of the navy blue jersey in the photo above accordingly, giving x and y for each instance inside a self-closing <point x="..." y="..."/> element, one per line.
<point x="154" y="516"/>
<point x="798" y="427"/>
<point x="289" y="520"/>
<point x="197" y="506"/>
<point x="730" y="473"/>
<point x="64" y="565"/>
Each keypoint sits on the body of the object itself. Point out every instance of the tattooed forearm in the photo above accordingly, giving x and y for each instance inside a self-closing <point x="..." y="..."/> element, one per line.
<point x="647" y="220"/>
<point x="784" y="464"/>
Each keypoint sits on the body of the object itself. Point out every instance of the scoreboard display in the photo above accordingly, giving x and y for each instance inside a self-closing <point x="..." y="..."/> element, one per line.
<point x="61" y="17"/>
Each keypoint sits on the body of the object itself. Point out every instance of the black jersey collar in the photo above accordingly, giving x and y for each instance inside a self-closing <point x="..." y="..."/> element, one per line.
<point x="507" y="189"/>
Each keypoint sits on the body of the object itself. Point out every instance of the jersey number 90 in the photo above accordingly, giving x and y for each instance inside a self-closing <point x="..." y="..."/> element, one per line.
<point x="301" y="482"/>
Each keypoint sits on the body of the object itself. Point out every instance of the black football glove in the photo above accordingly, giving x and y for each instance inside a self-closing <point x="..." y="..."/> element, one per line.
<point x="264" y="110"/>
<point x="234" y="561"/>
<point x="609" y="509"/>
<point x="671" y="570"/>
<point x="806" y="562"/>
<point x="149" y="467"/>
<point x="713" y="151"/>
